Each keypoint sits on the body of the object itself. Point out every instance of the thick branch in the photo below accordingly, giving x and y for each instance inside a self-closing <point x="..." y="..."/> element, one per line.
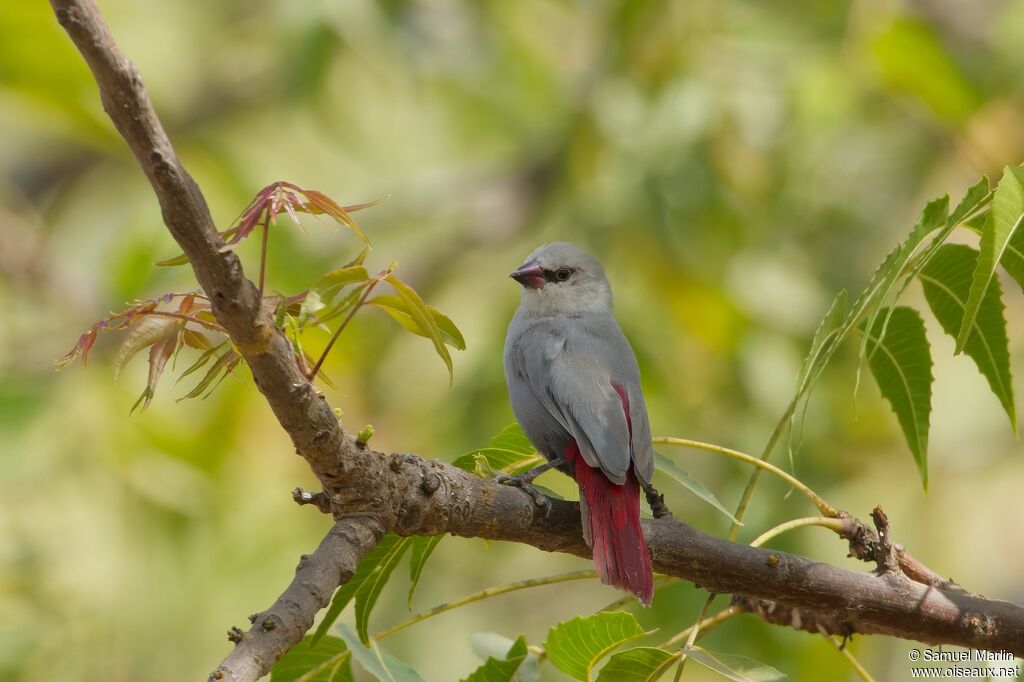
<point x="278" y="628"/>
<point x="413" y="496"/>
<point x="430" y="497"/>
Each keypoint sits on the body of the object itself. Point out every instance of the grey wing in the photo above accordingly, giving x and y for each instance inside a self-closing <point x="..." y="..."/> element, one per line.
<point x="626" y="373"/>
<point x="570" y="372"/>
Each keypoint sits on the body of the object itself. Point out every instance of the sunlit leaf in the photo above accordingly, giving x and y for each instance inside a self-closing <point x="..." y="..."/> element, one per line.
<point x="501" y="669"/>
<point x="578" y="645"/>
<point x="947" y="284"/>
<point x="378" y="663"/>
<point x="902" y="366"/>
<point x="640" y="664"/>
<point x="201" y="361"/>
<point x="418" y="310"/>
<point x="180" y="259"/>
<point x="303" y="658"/>
<point x="145" y="332"/>
<point x="684" y="479"/>
<point x="364" y="573"/>
<point x="159" y="353"/>
<point x="223" y="366"/>
<point x="510" y="451"/>
<point x="1013" y="258"/>
<point x="197" y="340"/>
<point x="319" y="202"/>
<point x="1005" y="220"/>
<point x="326" y="289"/>
<point x="935" y="214"/>
<point x="736" y="668"/>
<point x="398" y="309"/>
<point x="422" y="547"/>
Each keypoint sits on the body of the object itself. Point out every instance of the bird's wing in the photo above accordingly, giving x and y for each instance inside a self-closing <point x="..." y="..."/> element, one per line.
<point x="571" y="372"/>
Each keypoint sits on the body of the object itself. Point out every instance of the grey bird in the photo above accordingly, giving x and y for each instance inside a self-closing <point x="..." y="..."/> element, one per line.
<point x="574" y="386"/>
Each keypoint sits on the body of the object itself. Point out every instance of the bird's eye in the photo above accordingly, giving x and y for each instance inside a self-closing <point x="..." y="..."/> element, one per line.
<point x="562" y="274"/>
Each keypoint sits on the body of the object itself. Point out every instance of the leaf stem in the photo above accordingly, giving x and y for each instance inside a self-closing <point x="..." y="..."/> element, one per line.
<point x="487" y="594"/>
<point x="832" y="524"/>
<point x="705" y="625"/>
<point x="337" y="332"/>
<point x="263" y="251"/>
<point x="845" y="651"/>
<point x="824" y="507"/>
<point x="167" y="313"/>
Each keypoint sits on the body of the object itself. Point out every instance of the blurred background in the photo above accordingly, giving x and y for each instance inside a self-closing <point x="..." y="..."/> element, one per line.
<point x="732" y="163"/>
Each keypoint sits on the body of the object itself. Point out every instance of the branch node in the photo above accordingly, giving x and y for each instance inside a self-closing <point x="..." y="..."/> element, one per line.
<point x="885" y="557"/>
<point x="320" y="500"/>
<point x="235" y="634"/>
<point x="431" y="483"/>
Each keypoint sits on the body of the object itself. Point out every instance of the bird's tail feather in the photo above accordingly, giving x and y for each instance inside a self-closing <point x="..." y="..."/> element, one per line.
<point x="611" y="526"/>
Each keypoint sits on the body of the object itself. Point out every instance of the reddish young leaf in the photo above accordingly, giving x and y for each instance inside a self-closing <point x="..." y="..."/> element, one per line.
<point x="158" y="356"/>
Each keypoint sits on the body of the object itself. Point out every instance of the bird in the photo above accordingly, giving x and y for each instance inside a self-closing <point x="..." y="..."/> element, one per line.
<point x="574" y="387"/>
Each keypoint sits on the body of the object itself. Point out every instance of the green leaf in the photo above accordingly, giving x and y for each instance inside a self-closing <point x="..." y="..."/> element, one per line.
<point x="824" y="337"/>
<point x="222" y="366"/>
<point x="1013" y="259"/>
<point x="488" y="645"/>
<point x="668" y="466"/>
<point x="369" y="573"/>
<point x="422" y="548"/>
<point x="935" y="214"/>
<point x="418" y="311"/>
<point x="367" y="595"/>
<point x="975" y="197"/>
<point x="397" y="308"/>
<point x="1005" y="219"/>
<point x="901" y="364"/>
<point x="576" y="646"/>
<point x="180" y="259"/>
<point x="947" y="283"/>
<point x="303" y="658"/>
<point x="641" y="664"/>
<point x="326" y="289"/>
<point x="501" y="669"/>
<point x="737" y="668"/>
<point x="380" y="664"/>
<point x="509" y="451"/>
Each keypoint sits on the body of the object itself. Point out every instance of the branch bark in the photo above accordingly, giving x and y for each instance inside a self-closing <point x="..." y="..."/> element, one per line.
<point x="370" y="493"/>
<point x="277" y="629"/>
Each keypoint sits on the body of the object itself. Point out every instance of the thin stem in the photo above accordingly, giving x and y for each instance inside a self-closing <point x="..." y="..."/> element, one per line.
<point x="845" y="651"/>
<point x="167" y="313"/>
<point x="835" y="525"/>
<point x="487" y="594"/>
<point x="263" y="251"/>
<point x="706" y="625"/>
<point x="824" y="507"/>
<point x="748" y="492"/>
<point x="337" y="332"/>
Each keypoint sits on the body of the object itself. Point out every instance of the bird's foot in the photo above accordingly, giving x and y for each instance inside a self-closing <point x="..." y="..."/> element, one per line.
<point x="657" y="502"/>
<point x="525" y="482"/>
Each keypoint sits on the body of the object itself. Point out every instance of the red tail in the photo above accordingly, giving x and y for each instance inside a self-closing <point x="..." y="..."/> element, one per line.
<point x="611" y="526"/>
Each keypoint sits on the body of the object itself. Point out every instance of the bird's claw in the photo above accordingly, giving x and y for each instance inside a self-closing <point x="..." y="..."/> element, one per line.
<point x="524" y="482"/>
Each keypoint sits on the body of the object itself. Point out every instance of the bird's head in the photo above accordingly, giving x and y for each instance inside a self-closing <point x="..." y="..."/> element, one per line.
<point x="562" y="279"/>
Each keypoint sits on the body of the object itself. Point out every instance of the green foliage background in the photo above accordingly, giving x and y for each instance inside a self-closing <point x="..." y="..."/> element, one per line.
<point x="733" y="164"/>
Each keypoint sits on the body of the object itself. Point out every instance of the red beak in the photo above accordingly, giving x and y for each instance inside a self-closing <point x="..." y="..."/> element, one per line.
<point x="530" y="275"/>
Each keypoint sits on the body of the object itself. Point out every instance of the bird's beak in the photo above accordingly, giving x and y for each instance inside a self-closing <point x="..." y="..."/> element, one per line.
<point x="530" y="275"/>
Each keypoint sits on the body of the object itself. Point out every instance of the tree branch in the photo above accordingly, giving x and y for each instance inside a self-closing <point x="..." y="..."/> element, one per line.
<point x="370" y="493"/>
<point x="278" y="628"/>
